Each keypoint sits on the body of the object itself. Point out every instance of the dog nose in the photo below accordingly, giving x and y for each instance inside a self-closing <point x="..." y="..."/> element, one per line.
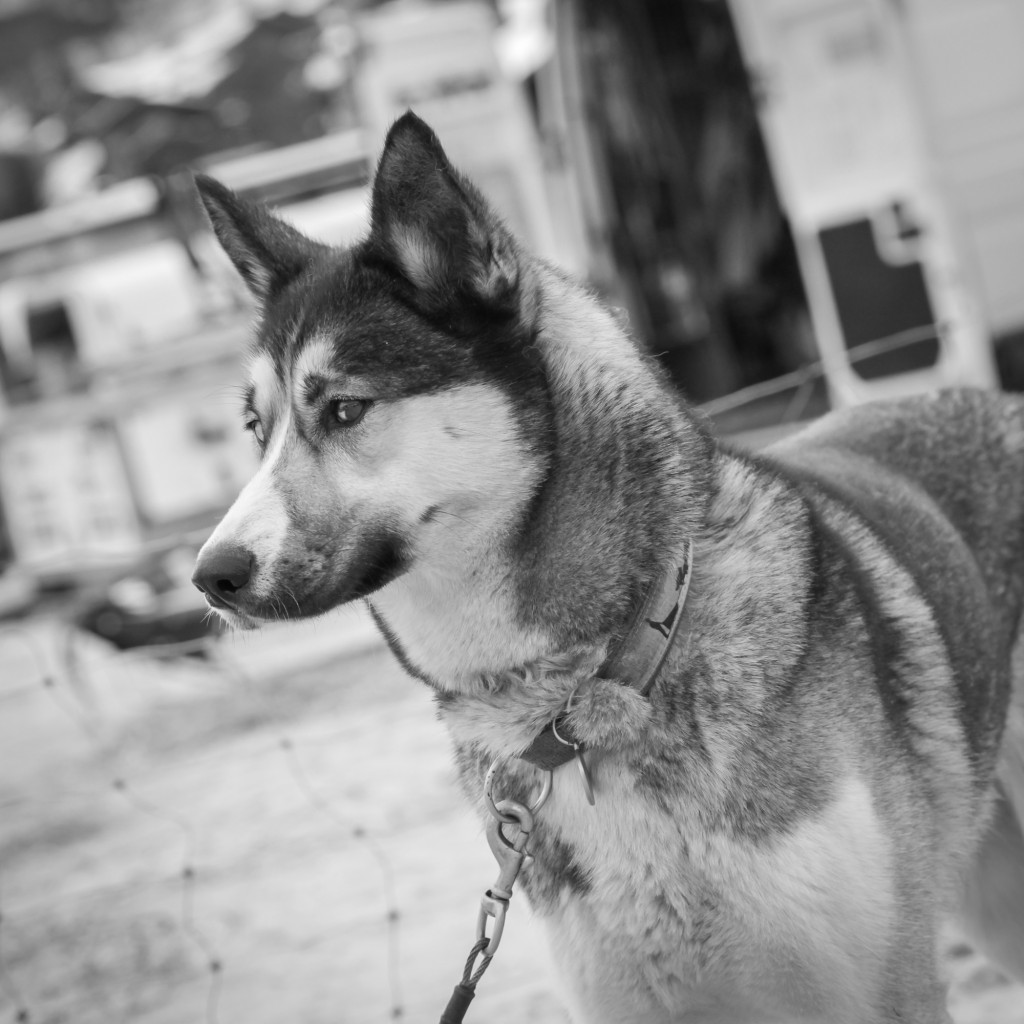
<point x="222" y="574"/>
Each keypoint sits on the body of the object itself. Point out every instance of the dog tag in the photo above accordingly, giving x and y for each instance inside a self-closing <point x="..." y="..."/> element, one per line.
<point x="588" y="785"/>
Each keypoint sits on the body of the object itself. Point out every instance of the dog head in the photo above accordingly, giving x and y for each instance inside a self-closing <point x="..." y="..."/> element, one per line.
<point x="394" y="391"/>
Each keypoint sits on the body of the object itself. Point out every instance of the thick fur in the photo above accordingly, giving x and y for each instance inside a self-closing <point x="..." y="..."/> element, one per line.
<point x="823" y="769"/>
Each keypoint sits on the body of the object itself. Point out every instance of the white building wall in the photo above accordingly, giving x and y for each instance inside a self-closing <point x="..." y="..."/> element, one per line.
<point x="969" y="57"/>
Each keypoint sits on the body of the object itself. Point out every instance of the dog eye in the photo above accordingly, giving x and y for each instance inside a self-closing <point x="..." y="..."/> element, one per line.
<point x="256" y="428"/>
<point x="348" y="411"/>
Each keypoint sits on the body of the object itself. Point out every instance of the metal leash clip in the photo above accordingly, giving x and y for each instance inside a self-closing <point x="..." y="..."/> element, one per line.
<point x="510" y="854"/>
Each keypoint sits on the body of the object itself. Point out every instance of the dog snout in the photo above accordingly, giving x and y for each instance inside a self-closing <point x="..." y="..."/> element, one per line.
<point x="222" y="574"/>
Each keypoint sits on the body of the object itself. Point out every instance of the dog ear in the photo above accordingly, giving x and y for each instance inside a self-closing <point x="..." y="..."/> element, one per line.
<point x="433" y="226"/>
<point x="266" y="251"/>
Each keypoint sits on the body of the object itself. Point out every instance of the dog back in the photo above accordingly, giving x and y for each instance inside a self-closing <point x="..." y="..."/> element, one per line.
<point x="938" y="481"/>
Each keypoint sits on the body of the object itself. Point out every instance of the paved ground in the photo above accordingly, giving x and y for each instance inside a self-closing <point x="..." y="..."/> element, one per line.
<point x="297" y="825"/>
<point x="291" y="819"/>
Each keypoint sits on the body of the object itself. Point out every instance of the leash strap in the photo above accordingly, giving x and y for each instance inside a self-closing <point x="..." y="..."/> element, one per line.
<point x="637" y="658"/>
<point x="455" y="1011"/>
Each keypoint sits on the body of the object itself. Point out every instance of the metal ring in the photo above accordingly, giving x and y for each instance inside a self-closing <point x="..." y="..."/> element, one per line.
<point x="572" y="697"/>
<point x="558" y="736"/>
<point x="513" y="813"/>
<point x="542" y="797"/>
<point x="566" y="710"/>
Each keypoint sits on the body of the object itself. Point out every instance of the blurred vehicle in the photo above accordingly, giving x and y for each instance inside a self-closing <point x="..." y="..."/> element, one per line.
<point x="156" y="605"/>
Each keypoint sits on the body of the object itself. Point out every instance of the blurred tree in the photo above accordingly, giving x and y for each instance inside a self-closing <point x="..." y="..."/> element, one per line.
<point x="18" y="193"/>
<point x="147" y="138"/>
<point x="35" y="70"/>
<point x="266" y="98"/>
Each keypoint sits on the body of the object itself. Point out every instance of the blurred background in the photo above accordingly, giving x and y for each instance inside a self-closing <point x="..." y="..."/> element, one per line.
<point x="799" y="204"/>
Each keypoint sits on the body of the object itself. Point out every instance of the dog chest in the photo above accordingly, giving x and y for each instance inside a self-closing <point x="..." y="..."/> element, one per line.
<point x="681" y="919"/>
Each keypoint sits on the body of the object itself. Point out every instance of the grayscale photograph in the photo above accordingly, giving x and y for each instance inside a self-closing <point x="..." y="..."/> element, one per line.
<point x="512" y="511"/>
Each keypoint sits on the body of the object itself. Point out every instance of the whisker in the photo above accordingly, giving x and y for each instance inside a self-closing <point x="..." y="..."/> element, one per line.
<point x="452" y="515"/>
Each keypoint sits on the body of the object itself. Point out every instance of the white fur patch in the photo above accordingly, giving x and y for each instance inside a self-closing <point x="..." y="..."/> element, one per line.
<point x="258" y="519"/>
<point x="316" y="359"/>
<point x="451" y="466"/>
<point x="735" y="931"/>
<point x="266" y="382"/>
<point x="419" y="257"/>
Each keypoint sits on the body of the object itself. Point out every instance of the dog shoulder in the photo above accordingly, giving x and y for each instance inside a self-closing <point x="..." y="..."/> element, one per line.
<point x="926" y="496"/>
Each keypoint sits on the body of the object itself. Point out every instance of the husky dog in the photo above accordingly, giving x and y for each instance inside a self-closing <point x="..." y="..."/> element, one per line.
<point x="798" y="770"/>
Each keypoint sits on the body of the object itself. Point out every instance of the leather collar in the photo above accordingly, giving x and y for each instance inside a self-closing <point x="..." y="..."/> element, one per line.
<point x="635" y="660"/>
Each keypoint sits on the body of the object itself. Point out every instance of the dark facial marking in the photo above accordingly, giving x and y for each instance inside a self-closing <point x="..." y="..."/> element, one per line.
<point x="313" y="388"/>
<point x="396" y="648"/>
<point x="382" y="563"/>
